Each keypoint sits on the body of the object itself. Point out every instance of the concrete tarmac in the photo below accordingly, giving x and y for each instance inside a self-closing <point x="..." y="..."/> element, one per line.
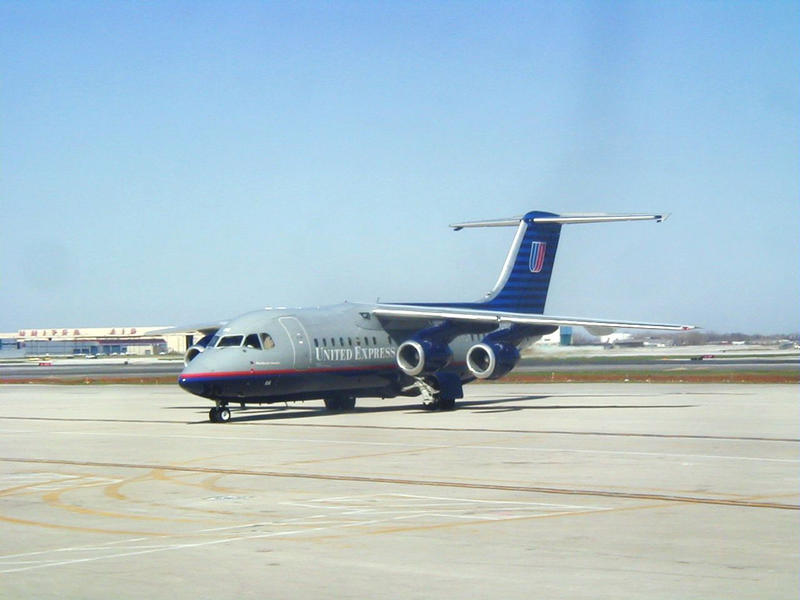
<point x="560" y="490"/>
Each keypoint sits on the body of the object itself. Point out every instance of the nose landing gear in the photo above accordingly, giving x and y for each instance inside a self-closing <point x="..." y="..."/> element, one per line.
<point x="220" y="414"/>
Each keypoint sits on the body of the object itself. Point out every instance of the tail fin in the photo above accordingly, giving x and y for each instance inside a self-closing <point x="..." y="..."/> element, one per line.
<point x="525" y="278"/>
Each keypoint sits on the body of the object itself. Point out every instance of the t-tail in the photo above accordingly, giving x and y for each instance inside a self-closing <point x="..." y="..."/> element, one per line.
<point x="525" y="278"/>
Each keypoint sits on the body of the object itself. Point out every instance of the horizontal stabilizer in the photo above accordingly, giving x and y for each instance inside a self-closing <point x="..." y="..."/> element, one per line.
<point x="563" y="220"/>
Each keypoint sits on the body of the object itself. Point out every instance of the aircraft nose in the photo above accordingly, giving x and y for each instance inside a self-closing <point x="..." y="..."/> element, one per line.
<point x="190" y="385"/>
<point x="189" y="380"/>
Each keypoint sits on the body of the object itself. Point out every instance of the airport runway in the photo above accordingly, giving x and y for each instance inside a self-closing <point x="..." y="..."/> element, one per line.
<point x="60" y="368"/>
<point x="563" y="490"/>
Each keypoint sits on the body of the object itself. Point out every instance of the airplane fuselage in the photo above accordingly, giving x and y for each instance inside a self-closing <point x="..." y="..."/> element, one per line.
<point x="309" y="353"/>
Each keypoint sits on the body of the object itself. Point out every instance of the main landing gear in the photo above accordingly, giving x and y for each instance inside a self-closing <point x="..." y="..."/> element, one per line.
<point x="436" y="396"/>
<point x="220" y="414"/>
<point x="340" y="403"/>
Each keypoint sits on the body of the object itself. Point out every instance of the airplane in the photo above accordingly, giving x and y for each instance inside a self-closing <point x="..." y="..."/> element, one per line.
<point x="428" y="349"/>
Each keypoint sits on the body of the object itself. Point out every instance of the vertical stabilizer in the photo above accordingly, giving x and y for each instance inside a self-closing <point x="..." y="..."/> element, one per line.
<point x="525" y="278"/>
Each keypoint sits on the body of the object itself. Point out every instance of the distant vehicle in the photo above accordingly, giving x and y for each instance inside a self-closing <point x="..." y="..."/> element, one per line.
<point x="339" y="353"/>
<point x="702" y="357"/>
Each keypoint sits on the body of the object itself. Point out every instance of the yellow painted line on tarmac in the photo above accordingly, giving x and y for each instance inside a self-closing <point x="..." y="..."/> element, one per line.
<point x="634" y="495"/>
<point x="27" y="522"/>
<point x="30" y="487"/>
<point x="113" y="490"/>
<point x="53" y="499"/>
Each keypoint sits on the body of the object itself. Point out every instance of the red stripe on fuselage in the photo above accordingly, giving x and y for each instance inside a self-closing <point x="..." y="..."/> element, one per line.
<point x="224" y="374"/>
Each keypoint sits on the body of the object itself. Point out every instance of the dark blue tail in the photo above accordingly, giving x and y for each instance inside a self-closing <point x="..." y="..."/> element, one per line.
<point x="525" y="278"/>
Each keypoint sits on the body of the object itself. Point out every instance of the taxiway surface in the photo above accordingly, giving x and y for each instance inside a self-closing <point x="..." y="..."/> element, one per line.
<point x="561" y="490"/>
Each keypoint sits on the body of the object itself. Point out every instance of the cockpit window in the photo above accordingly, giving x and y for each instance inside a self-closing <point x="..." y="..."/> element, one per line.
<point x="252" y="341"/>
<point x="266" y="341"/>
<point x="230" y="340"/>
<point x="213" y="342"/>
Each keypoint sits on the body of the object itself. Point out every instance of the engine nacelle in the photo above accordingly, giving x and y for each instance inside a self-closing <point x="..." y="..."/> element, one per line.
<point x="491" y="360"/>
<point x="415" y="357"/>
<point x="195" y="349"/>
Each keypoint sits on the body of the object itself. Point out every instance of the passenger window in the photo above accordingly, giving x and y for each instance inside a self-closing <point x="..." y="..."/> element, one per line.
<point x="341" y="342"/>
<point x="316" y="343"/>
<point x="349" y="341"/>
<point x="366" y="341"/>
<point x="252" y="341"/>
<point x="325" y="342"/>
<point x="230" y="341"/>
<point x="374" y="341"/>
<point x="266" y="341"/>
<point x="333" y="342"/>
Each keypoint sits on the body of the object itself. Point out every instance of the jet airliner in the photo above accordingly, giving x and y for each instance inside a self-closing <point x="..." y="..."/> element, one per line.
<point x="430" y="350"/>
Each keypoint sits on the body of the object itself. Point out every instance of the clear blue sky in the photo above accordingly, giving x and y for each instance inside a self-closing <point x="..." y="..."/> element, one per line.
<point x="175" y="162"/>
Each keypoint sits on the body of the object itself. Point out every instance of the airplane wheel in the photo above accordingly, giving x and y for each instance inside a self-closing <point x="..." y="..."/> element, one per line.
<point x="219" y="414"/>
<point x="446" y="404"/>
<point x="340" y="403"/>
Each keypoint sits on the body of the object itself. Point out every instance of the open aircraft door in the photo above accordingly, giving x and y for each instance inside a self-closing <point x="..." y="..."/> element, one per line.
<point x="297" y="333"/>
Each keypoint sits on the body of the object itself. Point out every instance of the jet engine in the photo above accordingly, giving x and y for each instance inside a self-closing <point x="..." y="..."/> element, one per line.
<point x="418" y="356"/>
<point x="195" y="349"/>
<point x="491" y="360"/>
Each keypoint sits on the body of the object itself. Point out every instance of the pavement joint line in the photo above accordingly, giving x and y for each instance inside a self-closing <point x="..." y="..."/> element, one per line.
<point x="546" y="432"/>
<point x="420" y="482"/>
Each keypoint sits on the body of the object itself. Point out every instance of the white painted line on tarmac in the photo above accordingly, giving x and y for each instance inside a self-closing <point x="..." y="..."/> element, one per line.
<point x="434" y="446"/>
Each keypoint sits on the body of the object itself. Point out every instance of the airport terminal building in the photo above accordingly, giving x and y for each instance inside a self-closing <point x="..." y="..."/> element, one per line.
<point x="91" y="341"/>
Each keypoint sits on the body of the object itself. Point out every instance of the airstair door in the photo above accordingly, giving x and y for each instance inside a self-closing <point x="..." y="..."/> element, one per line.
<point x="297" y="333"/>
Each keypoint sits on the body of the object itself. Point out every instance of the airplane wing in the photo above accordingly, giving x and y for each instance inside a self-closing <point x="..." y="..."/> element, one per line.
<point x="204" y="328"/>
<point x="421" y="313"/>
